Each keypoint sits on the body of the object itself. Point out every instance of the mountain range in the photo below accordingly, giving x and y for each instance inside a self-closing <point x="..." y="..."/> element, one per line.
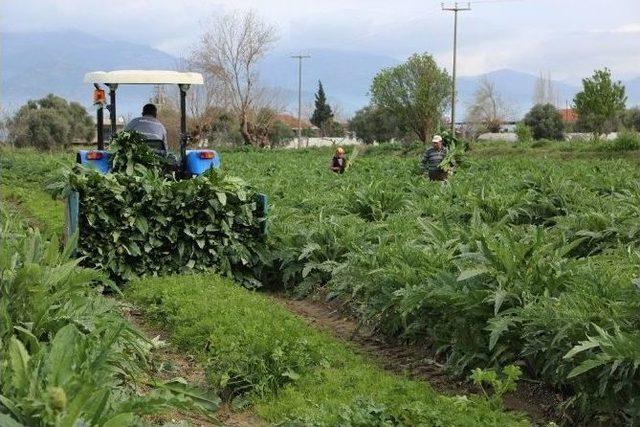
<point x="35" y="64"/>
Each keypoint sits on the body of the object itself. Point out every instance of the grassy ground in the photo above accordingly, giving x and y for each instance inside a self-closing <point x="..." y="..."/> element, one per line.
<point x="67" y="356"/>
<point x="526" y="256"/>
<point x="23" y="174"/>
<point x="258" y="351"/>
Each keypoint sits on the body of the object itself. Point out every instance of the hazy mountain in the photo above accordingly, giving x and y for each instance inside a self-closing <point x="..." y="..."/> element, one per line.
<point x="35" y="64"/>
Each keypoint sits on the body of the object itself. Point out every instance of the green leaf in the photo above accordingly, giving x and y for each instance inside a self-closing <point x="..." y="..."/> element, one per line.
<point x="121" y="420"/>
<point x="291" y="375"/>
<point x="585" y="366"/>
<point x="19" y="364"/>
<point x="583" y="346"/>
<point x="7" y="421"/>
<point x="205" y="400"/>
<point x="471" y="273"/>
<point x="60" y="362"/>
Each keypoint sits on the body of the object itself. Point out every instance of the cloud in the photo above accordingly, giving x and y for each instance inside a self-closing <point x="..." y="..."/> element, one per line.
<point x="628" y="29"/>
<point x="571" y="37"/>
<point x="633" y="28"/>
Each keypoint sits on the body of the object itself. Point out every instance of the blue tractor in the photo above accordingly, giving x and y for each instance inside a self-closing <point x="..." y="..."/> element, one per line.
<point x="190" y="164"/>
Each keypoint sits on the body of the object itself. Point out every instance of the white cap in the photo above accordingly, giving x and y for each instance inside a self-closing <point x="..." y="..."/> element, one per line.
<point x="436" y="138"/>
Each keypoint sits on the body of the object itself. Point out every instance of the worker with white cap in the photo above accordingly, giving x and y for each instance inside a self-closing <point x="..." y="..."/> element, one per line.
<point x="433" y="157"/>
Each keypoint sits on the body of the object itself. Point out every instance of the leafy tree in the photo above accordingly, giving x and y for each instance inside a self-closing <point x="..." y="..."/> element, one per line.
<point x="600" y="102"/>
<point x="49" y="123"/>
<point x="373" y="124"/>
<point x="322" y="115"/>
<point x="545" y="122"/>
<point x="416" y="93"/>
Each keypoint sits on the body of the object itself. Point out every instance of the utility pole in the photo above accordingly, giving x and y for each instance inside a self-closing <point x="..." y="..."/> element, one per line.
<point x="455" y="9"/>
<point x="300" y="58"/>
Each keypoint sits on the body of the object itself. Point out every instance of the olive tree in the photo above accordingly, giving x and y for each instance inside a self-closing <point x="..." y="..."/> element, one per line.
<point x="50" y="122"/>
<point x="545" y="122"/>
<point x="416" y="93"/>
<point x="373" y="124"/>
<point x="600" y="103"/>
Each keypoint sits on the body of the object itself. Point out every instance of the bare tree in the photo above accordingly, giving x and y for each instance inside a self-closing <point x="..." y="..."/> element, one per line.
<point x="488" y="110"/>
<point x="545" y="91"/>
<point x="228" y="53"/>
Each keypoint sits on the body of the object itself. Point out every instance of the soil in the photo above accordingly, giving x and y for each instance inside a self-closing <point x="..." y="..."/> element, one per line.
<point x="180" y="364"/>
<point x="417" y="362"/>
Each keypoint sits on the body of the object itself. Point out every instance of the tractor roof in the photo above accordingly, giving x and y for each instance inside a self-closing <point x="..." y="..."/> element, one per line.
<point x="143" y="77"/>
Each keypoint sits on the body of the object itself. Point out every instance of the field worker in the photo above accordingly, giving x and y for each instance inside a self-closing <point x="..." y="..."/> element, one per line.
<point x="433" y="157"/>
<point x="338" y="162"/>
<point x="148" y="124"/>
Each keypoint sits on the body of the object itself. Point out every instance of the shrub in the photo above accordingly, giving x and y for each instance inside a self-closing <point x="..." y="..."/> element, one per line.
<point x="545" y="122"/>
<point x="523" y="132"/>
<point x="625" y="141"/>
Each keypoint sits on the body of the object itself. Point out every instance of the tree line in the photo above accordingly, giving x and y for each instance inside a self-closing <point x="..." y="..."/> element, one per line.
<point x="408" y="101"/>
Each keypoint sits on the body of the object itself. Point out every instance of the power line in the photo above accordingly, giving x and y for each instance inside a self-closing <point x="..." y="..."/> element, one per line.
<point x="300" y="58"/>
<point x="455" y="9"/>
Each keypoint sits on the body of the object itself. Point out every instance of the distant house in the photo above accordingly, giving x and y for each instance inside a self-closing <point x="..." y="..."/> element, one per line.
<point x="568" y="115"/>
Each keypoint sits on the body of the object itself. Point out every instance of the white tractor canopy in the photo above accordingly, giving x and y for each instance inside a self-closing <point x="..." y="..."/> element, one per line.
<point x="144" y="77"/>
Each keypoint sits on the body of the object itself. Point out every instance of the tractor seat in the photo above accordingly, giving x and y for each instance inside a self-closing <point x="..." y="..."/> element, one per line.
<point x="157" y="145"/>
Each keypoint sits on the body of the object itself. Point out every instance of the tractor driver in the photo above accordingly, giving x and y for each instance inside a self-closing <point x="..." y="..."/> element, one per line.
<point x="149" y="125"/>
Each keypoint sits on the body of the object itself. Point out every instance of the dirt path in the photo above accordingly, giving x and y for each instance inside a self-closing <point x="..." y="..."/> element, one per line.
<point x="417" y="362"/>
<point x="174" y="363"/>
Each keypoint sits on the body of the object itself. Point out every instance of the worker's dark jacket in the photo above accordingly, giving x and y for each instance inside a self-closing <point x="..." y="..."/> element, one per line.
<point x="338" y="162"/>
<point x="431" y="163"/>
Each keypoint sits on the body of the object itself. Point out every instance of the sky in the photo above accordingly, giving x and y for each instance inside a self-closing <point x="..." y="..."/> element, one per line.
<point x="566" y="38"/>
